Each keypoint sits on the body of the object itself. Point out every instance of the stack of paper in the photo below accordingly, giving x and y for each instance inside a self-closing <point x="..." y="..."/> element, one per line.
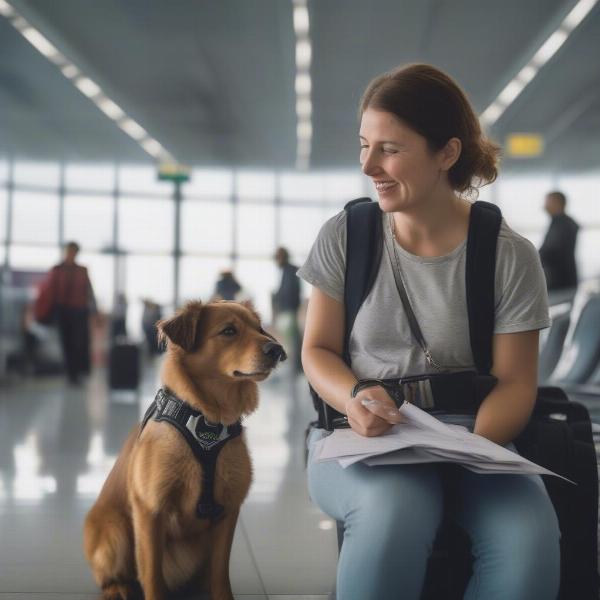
<point x="423" y="438"/>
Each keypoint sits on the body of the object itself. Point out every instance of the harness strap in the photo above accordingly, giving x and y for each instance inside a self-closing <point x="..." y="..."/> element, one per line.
<point x="205" y="439"/>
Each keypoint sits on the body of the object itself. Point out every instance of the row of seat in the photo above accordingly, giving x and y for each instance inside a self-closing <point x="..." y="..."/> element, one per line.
<point x="570" y="354"/>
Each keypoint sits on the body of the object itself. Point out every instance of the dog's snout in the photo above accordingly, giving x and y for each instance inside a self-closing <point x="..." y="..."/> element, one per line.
<point x="274" y="351"/>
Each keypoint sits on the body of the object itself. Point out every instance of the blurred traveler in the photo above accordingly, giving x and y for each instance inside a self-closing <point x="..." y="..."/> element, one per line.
<point x="73" y="301"/>
<point x="150" y="315"/>
<point x="285" y="303"/>
<point x="118" y="323"/>
<point x="227" y="287"/>
<point x="558" y="249"/>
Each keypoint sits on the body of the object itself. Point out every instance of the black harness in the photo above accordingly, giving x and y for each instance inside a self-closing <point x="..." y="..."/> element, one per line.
<point x="205" y="440"/>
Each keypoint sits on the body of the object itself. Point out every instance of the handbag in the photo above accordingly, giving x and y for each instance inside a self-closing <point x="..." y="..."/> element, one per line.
<point x="44" y="308"/>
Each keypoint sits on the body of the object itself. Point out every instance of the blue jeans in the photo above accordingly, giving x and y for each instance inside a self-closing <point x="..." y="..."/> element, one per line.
<point x="391" y="515"/>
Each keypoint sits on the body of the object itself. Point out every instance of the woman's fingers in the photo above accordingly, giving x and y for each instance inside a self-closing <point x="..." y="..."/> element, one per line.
<point x="383" y="410"/>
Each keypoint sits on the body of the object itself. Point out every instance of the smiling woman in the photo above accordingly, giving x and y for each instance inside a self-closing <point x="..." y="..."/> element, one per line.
<point x="422" y="147"/>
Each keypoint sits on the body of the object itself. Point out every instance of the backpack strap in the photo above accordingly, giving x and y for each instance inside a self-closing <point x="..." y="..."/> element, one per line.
<point x="364" y="244"/>
<point x="484" y="226"/>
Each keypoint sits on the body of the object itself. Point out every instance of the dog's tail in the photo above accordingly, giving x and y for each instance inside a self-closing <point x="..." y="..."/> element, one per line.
<point x="108" y="546"/>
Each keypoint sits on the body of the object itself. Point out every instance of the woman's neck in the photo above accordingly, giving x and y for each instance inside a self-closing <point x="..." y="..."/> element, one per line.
<point x="433" y="228"/>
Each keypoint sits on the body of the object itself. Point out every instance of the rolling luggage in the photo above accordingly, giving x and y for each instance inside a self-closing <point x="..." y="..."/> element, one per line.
<point x="124" y="366"/>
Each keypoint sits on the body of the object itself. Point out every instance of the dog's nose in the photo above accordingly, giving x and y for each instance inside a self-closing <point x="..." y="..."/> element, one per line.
<point x="274" y="351"/>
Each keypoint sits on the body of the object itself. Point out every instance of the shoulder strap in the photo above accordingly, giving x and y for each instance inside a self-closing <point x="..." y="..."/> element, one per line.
<point x="364" y="237"/>
<point x="484" y="226"/>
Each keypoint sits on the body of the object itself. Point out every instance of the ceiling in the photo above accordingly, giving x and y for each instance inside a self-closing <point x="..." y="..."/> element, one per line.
<point x="213" y="80"/>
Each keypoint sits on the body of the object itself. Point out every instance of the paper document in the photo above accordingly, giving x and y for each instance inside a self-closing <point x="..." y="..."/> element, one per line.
<point x="421" y="439"/>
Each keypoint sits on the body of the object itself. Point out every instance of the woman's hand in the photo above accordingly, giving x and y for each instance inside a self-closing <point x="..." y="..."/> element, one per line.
<point x="372" y="412"/>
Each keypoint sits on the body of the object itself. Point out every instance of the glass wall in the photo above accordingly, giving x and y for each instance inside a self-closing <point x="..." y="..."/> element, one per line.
<point x="124" y="220"/>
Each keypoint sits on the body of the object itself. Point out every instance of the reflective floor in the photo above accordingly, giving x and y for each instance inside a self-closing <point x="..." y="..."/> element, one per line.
<point x="58" y="443"/>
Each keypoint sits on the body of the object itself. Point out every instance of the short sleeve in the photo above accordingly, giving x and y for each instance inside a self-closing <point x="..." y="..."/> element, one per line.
<point x="521" y="295"/>
<point x="325" y="265"/>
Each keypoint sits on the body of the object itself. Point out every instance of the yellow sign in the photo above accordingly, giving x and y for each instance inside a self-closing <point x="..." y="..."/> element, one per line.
<point x="524" y="145"/>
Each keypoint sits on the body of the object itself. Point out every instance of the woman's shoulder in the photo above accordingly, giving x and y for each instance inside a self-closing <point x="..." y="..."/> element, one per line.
<point x="513" y="245"/>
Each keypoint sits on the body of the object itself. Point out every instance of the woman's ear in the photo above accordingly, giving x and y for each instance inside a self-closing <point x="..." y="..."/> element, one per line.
<point x="182" y="329"/>
<point x="450" y="153"/>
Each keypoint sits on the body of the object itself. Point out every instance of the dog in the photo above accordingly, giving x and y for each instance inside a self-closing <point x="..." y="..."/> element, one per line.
<point x="161" y="523"/>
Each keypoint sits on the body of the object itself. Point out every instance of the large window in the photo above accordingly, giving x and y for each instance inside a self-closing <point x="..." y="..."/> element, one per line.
<point x="35" y="218"/>
<point x="206" y="227"/>
<point x="230" y="220"/>
<point x="89" y="221"/>
<point x="146" y="225"/>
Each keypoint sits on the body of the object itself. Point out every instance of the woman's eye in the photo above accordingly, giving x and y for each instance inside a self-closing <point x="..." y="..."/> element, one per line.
<point x="229" y="331"/>
<point x="389" y="151"/>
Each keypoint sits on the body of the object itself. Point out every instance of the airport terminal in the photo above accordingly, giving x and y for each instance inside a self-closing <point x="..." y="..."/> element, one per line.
<point x="323" y="276"/>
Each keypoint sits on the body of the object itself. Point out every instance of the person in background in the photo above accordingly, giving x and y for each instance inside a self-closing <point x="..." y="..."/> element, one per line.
<point x="558" y="249"/>
<point x="285" y="304"/>
<point x="75" y="302"/>
<point x="118" y="324"/>
<point x="151" y="314"/>
<point x="227" y="287"/>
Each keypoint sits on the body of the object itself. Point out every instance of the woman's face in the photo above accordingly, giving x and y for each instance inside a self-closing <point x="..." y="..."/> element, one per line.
<point x="404" y="170"/>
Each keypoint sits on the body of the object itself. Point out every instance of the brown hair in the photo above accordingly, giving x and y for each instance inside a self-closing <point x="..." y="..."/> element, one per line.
<point x="432" y="104"/>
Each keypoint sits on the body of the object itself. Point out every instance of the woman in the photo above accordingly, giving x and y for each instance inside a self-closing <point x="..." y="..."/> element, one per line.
<point x="421" y="144"/>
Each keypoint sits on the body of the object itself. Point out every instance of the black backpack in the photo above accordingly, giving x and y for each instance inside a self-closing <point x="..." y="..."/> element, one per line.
<point x="558" y="436"/>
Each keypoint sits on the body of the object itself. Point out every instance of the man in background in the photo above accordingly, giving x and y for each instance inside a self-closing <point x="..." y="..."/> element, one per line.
<point x="74" y="301"/>
<point x="286" y="301"/>
<point x="558" y="249"/>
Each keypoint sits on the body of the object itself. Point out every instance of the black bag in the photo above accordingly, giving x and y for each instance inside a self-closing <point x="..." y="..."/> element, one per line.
<point x="124" y="366"/>
<point x="558" y="436"/>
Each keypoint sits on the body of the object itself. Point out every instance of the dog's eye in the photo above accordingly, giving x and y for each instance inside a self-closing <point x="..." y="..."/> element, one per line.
<point x="229" y="331"/>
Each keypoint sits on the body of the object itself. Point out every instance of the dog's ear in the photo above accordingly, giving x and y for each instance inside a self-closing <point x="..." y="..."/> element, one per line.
<point x="182" y="329"/>
<point x="250" y="306"/>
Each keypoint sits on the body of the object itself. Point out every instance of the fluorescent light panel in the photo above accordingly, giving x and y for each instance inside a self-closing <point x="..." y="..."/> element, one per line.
<point x="545" y="52"/>
<point x="88" y="87"/>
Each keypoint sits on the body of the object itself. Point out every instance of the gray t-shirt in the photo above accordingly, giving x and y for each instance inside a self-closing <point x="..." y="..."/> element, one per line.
<point x="381" y="343"/>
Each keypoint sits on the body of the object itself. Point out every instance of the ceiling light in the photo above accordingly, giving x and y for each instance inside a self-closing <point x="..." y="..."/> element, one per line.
<point x="87" y="87"/>
<point x="70" y="71"/>
<point x="303" y="83"/>
<point x="6" y="10"/>
<point x="109" y="108"/>
<point x="510" y="92"/>
<point x="38" y="41"/>
<point x="549" y="47"/>
<point x="579" y="12"/>
<point x="303" y="54"/>
<point x="304" y="130"/>
<point x="304" y="108"/>
<point x="300" y="19"/>
<point x="492" y="113"/>
<point x="526" y="74"/>
<point x="130" y="127"/>
<point x="152" y="147"/>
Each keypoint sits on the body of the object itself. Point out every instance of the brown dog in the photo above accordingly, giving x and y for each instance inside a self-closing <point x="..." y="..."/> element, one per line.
<point x="160" y="520"/>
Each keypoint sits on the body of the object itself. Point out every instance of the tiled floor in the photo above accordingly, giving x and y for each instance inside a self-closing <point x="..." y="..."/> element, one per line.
<point x="58" y="443"/>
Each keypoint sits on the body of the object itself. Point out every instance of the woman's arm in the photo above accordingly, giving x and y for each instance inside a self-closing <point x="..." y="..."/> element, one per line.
<point x="506" y="410"/>
<point x="322" y="350"/>
<point x="330" y="376"/>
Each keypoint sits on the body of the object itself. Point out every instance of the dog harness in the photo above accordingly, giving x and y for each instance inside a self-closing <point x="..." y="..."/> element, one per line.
<point x="205" y="439"/>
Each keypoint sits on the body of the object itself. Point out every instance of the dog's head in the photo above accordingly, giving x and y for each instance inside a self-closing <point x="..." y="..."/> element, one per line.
<point x="222" y="338"/>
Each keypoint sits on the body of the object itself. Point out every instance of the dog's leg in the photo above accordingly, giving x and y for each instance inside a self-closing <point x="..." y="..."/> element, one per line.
<point x="222" y="539"/>
<point x="149" y="542"/>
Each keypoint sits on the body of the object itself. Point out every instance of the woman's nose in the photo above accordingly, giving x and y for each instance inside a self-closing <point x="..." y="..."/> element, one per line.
<point x="369" y="164"/>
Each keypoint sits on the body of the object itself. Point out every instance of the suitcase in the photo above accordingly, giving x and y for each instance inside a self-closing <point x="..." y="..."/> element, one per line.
<point x="124" y="366"/>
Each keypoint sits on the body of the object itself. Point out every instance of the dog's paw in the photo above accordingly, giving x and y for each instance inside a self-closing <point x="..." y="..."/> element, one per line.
<point x="121" y="591"/>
